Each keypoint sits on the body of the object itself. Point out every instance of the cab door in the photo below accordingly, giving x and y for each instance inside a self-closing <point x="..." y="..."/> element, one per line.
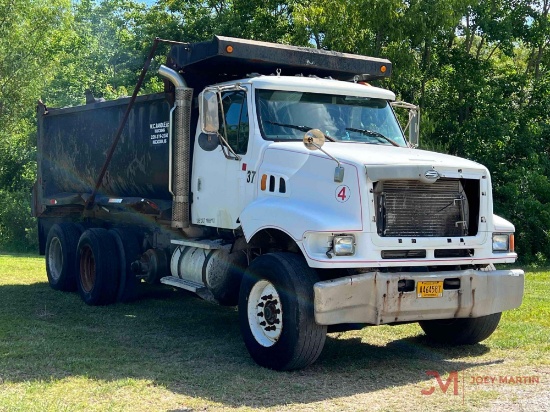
<point x="218" y="179"/>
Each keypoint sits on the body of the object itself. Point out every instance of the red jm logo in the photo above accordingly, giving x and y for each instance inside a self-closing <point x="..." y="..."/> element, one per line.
<point x="453" y="378"/>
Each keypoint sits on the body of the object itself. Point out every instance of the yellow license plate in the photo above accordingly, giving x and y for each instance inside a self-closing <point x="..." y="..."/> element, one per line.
<point x="429" y="289"/>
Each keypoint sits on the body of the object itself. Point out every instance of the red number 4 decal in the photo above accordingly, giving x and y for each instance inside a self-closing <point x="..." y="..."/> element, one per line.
<point x="342" y="193"/>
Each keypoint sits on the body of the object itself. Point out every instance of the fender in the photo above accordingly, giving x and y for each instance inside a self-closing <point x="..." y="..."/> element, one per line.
<point x="295" y="218"/>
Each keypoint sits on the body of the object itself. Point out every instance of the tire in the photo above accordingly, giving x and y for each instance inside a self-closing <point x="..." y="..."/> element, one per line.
<point x="61" y="246"/>
<point x="467" y="331"/>
<point x="129" y="250"/>
<point x="285" y="336"/>
<point x="98" y="275"/>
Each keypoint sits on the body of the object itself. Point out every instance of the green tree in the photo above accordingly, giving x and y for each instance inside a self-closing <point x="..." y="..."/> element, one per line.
<point x="31" y="33"/>
<point x="102" y="52"/>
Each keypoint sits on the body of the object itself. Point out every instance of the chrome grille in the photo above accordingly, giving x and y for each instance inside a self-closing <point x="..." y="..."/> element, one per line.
<point x="410" y="208"/>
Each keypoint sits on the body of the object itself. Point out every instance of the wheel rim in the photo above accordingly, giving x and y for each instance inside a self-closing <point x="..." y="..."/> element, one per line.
<point x="265" y="313"/>
<point x="55" y="259"/>
<point x="87" y="269"/>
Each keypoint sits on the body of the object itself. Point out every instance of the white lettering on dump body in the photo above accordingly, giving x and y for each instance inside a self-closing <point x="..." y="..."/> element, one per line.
<point x="159" y="132"/>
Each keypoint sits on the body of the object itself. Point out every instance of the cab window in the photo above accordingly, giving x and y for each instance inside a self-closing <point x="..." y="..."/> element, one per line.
<point x="236" y="118"/>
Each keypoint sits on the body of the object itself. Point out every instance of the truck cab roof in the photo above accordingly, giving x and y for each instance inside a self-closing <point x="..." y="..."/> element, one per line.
<point x="319" y="85"/>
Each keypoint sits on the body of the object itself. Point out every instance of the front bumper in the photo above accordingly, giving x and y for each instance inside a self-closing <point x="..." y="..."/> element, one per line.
<point x="373" y="297"/>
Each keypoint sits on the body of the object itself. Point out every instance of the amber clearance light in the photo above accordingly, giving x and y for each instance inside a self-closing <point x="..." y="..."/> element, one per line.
<point x="229" y="49"/>
<point x="263" y="184"/>
<point x="383" y="69"/>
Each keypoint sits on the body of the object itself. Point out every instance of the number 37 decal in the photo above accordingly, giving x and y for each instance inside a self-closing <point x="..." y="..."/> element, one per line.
<point x="250" y="175"/>
<point x="342" y="193"/>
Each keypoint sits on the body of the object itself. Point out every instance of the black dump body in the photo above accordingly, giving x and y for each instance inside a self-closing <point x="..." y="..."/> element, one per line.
<point x="72" y="147"/>
<point x="226" y="58"/>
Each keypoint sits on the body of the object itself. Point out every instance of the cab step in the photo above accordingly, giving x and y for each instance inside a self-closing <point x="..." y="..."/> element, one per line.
<point x="183" y="284"/>
<point x="190" y="286"/>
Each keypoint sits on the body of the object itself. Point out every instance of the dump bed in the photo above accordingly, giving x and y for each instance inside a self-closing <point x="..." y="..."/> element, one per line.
<point x="73" y="143"/>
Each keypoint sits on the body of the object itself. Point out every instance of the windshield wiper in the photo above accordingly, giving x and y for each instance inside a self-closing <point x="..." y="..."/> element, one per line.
<point x="300" y="128"/>
<point x="367" y="132"/>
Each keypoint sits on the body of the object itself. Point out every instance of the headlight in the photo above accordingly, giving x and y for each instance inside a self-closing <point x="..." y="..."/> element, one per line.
<point x="343" y="245"/>
<point x="503" y="242"/>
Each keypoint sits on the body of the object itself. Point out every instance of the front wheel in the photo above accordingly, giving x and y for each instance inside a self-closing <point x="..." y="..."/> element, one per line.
<point x="276" y="312"/>
<point x="463" y="331"/>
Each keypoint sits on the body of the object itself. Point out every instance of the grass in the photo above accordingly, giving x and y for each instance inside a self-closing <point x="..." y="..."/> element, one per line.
<point x="171" y="351"/>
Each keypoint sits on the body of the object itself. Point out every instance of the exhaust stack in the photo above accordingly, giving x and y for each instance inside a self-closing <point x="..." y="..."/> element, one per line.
<point x="179" y="148"/>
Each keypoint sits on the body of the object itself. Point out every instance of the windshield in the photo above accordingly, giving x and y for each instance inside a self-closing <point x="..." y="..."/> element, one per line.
<point x="284" y="115"/>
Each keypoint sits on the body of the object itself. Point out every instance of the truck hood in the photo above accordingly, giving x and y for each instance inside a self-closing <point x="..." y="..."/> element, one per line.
<point x="367" y="155"/>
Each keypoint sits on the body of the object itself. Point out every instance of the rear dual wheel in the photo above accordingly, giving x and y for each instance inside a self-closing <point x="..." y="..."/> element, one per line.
<point x="129" y="251"/>
<point x="96" y="262"/>
<point x="61" y="247"/>
<point x="98" y="267"/>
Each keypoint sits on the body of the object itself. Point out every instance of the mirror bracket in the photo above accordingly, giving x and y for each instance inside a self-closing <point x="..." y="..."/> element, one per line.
<point x="313" y="140"/>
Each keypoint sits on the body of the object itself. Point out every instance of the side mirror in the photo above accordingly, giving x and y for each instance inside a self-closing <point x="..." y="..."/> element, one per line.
<point x="414" y="126"/>
<point x="314" y="139"/>
<point x="208" y="106"/>
<point x="414" y="120"/>
<point x="208" y="142"/>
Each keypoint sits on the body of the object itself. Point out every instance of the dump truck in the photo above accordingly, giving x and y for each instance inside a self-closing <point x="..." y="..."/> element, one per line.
<point x="277" y="179"/>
